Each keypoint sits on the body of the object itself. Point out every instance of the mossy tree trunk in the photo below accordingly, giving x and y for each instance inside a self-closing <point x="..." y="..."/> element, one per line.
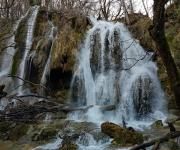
<point x="158" y="34"/>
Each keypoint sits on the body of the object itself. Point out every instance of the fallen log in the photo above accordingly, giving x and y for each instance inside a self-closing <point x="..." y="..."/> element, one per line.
<point x="107" y="107"/>
<point x="26" y="113"/>
<point x="165" y="138"/>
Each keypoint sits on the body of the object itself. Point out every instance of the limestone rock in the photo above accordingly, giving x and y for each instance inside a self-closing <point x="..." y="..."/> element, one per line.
<point x="157" y="124"/>
<point x="45" y="134"/>
<point x="123" y="137"/>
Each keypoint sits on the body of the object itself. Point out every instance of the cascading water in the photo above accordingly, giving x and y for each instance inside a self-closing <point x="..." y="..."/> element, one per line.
<point x="7" y="57"/>
<point x="46" y="70"/>
<point x="30" y="28"/>
<point x="115" y="70"/>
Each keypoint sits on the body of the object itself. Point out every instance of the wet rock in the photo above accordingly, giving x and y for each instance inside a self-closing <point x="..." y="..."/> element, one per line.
<point x="44" y="134"/>
<point x="121" y="136"/>
<point x="12" y="131"/>
<point x="170" y="145"/>
<point x="67" y="144"/>
<point x="142" y="95"/>
<point x="34" y="2"/>
<point x="95" y="53"/>
<point x="157" y="124"/>
<point x="116" y="51"/>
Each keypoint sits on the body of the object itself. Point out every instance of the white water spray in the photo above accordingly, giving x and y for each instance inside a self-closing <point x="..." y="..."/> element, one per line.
<point x="116" y="70"/>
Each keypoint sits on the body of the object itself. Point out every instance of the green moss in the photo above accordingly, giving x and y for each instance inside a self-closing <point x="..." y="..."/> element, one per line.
<point x="14" y="67"/>
<point x="18" y="131"/>
<point x="4" y="127"/>
<point x="123" y="137"/>
<point x="44" y="134"/>
<point x="41" y="25"/>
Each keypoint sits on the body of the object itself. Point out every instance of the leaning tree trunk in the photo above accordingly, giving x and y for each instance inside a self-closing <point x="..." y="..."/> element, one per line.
<point x="158" y="34"/>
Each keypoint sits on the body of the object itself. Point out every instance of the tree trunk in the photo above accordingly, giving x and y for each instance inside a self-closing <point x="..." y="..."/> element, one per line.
<point x="158" y="34"/>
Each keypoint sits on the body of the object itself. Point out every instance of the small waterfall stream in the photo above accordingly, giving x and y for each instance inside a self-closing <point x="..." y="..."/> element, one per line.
<point x="46" y="70"/>
<point x="29" y="38"/>
<point x="7" y="56"/>
<point x="6" y="61"/>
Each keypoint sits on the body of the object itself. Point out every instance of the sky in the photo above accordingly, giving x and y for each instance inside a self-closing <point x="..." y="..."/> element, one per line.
<point x="140" y="8"/>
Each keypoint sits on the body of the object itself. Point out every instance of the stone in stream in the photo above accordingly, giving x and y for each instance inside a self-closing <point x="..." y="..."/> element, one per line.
<point x="121" y="136"/>
<point x="157" y="124"/>
<point x="68" y="145"/>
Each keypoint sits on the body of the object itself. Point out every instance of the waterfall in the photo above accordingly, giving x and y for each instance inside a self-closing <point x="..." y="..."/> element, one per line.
<point x="7" y="56"/>
<point x="46" y="70"/>
<point x="6" y="59"/>
<point x="114" y="69"/>
<point x="29" y="37"/>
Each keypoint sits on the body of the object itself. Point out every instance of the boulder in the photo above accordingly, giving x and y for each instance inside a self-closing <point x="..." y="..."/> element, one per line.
<point x="170" y="145"/>
<point x="45" y="134"/>
<point x="157" y="124"/>
<point x="68" y="145"/>
<point x="123" y="137"/>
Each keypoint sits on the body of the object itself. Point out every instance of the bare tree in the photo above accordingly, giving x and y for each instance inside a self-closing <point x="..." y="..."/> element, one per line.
<point x="158" y="34"/>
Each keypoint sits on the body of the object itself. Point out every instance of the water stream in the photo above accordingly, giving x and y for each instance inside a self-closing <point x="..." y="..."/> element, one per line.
<point x="29" y="39"/>
<point x="46" y="71"/>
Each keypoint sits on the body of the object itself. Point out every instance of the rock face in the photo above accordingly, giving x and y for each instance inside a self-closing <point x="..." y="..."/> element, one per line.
<point x="35" y="2"/>
<point x="68" y="144"/>
<point x="45" y="134"/>
<point x="121" y="136"/>
<point x="170" y="145"/>
<point x="116" y="52"/>
<point x="142" y="93"/>
<point x="157" y="124"/>
<point x="49" y="52"/>
<point x="95" y="57"/>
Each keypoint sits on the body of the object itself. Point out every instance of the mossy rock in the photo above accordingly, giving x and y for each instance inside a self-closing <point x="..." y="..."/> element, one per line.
<point x="157" y="124"/>
<point x="34" y="2"/>
<point x="18" y="131"/>
<point x="45" y="134"/>
<point x="12" y="131"/>
<point x="5" y="127"/>
<point x="69" y="146"/>
<point x="123" y="137"/>
<point x="170" y="145"/>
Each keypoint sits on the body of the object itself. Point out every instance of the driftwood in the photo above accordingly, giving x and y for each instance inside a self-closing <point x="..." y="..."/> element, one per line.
<point x="107" y="107"/>
<point x="34" y="84"/>
<point x="28" y="113"/>
<point x="165" y="138"/>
